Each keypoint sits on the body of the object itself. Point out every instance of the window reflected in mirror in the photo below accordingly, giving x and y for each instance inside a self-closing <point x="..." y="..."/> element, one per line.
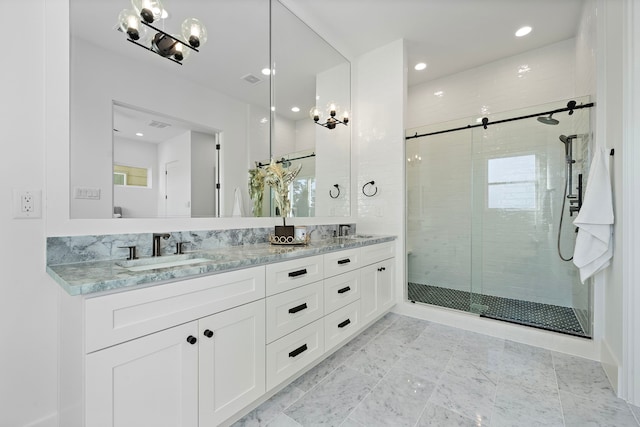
<point x="131" y="176"/>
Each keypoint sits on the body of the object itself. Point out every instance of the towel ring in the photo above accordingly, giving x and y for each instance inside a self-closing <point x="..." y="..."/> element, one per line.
<point x="337" y="195"/>
<point x="370" y="194"/>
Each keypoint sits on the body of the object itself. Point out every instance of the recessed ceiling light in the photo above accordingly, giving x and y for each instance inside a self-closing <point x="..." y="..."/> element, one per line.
<point x="139" y="134"/>
<point x="266" y="71"/>
<point x="523" y="31"/>
<point x="420" y="66"/>
<point x="295" y="109"/>
<point x="439" y="93"/>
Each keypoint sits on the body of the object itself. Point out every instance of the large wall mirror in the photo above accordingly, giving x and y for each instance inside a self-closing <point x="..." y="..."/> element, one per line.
<point x="153" y="138"/>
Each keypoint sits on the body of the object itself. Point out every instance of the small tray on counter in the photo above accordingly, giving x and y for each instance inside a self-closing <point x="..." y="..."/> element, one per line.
<point x="288" y="240"/>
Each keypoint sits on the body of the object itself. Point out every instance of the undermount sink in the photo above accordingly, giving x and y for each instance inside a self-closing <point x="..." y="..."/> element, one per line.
<point x="166" y="261"/>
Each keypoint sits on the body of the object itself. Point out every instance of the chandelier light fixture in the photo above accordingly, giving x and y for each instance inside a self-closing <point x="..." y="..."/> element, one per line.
<point x="138" y="25"/>
<point x="316" y="114"/>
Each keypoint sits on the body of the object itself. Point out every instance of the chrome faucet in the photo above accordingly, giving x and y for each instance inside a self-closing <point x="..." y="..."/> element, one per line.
<point x="343" y="230"/>
<point x="155" y="249"/>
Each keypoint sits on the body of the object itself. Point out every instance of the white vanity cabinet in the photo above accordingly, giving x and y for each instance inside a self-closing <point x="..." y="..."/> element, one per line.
<point x="201" y="351"/>
<point x="377" y="276"/>
<point x="187" y="353"/>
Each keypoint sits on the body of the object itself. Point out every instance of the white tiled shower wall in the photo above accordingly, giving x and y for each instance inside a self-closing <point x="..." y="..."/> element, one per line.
<point x="533" y="78"/>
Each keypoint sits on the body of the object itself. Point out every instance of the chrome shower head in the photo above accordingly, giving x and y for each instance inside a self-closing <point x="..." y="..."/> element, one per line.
<point x="548" y="120"/>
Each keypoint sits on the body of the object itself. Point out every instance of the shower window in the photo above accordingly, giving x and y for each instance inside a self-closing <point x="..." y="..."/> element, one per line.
<point x="511" y="183"/>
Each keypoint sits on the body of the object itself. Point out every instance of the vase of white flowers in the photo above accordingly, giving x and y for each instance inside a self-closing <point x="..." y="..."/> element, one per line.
<point x="279" y="179"/>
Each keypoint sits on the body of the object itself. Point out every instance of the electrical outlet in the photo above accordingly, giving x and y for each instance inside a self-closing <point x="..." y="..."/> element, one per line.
<point x="27" y="203"/>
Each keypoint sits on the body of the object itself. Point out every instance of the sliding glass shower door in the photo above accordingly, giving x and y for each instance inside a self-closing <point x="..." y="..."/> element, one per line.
<point x="484" y="227"/>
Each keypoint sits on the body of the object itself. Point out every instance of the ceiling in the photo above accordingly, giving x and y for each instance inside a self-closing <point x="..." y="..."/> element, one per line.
<point x="449" y="35"/>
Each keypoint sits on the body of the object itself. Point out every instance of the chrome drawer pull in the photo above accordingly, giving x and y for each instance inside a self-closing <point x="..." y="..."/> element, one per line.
<point x="298" y="273"/>
<point x="298" y="308"/>
<point x="343" y="324"/>
<point x="298" y="350"/>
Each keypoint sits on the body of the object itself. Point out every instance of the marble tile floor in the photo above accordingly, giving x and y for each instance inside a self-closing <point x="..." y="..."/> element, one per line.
<point x="403" y="371"/>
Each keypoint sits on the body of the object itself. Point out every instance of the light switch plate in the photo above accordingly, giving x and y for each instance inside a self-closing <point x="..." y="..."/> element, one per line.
<point x="86" y="193"/>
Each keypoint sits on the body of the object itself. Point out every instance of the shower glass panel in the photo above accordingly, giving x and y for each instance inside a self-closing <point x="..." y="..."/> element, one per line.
<point x="438" y="216"/>
<point x="484" y="216"/>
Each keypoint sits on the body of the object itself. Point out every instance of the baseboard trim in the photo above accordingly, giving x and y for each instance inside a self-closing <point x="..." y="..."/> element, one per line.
<point x="610" y="365"/>
<point x="48" y="421"/>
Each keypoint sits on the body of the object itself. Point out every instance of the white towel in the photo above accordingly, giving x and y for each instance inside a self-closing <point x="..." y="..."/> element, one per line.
<point x="594" y="245"/>
<point x="238" y="210"/>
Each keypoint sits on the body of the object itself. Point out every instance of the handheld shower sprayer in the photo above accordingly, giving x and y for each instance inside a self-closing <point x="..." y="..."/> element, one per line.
<point x="568" y="186"/>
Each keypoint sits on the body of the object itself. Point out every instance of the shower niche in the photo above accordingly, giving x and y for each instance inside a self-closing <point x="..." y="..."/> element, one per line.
<point x="490" y="211"/>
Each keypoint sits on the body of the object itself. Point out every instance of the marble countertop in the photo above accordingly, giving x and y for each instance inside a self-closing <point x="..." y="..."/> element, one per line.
<point x="90" y="277"/>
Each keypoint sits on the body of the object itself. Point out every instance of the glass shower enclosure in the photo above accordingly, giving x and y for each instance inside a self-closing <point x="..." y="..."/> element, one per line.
<point x="490" y="211"/>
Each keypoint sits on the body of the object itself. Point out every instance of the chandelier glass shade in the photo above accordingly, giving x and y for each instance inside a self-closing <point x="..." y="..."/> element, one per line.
<point x="138" y="25"/>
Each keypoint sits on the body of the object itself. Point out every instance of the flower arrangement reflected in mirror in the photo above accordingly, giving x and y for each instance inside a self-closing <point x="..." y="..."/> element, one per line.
<point x="279" y="179"/>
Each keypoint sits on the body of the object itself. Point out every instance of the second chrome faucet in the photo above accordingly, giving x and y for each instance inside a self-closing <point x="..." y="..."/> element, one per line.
<point x="155" y="249"/>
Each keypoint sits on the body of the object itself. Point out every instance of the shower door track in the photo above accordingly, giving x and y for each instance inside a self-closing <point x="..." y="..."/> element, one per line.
<point x="485" y="121"/>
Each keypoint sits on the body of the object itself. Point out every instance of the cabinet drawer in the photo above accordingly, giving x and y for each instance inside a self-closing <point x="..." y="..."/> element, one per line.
<point x="115" y="318"/>
<point x="293" y="352"/>
<point x="341" y="262"/>
<point x="341" y="290"/>
<point x="341" y="324"/>
<point x="293" y="309"/>
<point x="376" y="253"/>
<point x="286" y="275"/>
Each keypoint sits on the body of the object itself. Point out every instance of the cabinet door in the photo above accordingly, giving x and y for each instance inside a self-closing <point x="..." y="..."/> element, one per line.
<point x="385" y="285"/>
<point x="377" y="289"/>
<point x="232" y="361"/>
<point x="368" y="293"/>
<point x="149" y="381"/>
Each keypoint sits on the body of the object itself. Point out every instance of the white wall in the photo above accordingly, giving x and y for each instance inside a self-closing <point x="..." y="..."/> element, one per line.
<point x="379" y="100"/>
<point x="284" y="137"/>
<point x="28" y="355"/>
<point x="305" y="134"/>
<point x="332" y="145"/>
<point x="609" y="133"/>
<point x="496" y="87"/>
<point x="629" y="387"/>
